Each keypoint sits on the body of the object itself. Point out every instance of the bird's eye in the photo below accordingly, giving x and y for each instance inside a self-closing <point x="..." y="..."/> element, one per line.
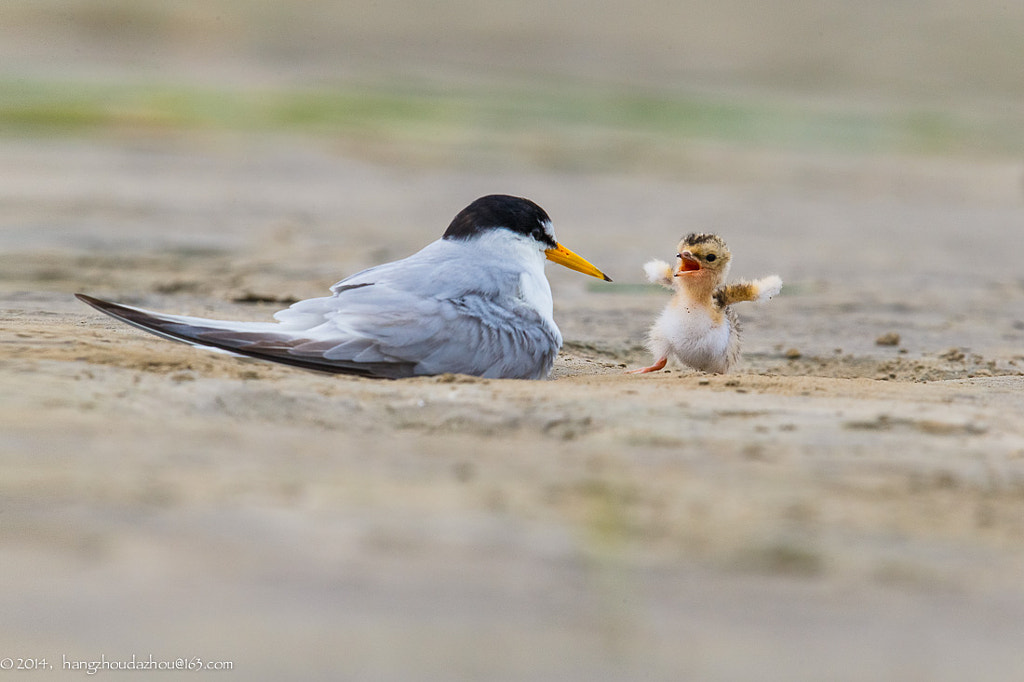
<point x="710" y="257"/>
<point x="539" y="234"/>
<point x="679" y="255"/>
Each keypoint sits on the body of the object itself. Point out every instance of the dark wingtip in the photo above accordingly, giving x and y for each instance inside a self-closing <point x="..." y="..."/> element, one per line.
<point x="103" y="306"/>
<point x="94" y="302"/>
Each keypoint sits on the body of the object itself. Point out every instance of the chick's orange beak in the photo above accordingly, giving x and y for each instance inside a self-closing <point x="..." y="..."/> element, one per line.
<point x="564" y="256"/>
<point x="688" y="264"/>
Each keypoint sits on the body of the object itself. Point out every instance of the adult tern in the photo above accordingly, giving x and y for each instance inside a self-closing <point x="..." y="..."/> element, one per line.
<point x="474" y="302"/>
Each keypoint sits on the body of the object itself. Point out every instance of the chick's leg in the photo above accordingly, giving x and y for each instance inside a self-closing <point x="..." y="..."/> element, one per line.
<point x="660" y="364"/>
<point x="658" y="344"/>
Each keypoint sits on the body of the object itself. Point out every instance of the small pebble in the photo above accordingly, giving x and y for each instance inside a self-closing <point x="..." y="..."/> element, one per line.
<point x="953" y="355"/>
<point x="889" y="339"/>
<point x="793" y="354"/>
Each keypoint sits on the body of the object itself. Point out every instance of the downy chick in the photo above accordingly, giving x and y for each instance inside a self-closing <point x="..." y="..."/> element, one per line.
<point x="698" y="325"/>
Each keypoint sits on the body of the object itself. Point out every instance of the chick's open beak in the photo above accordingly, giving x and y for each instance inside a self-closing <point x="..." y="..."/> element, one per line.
<point x="564" y="256"/>
<point x="688" y="264"/>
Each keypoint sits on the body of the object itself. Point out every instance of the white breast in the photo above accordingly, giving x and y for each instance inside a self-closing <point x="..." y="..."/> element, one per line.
<point x="695" y="337"/>
<point x="536" y="293"/>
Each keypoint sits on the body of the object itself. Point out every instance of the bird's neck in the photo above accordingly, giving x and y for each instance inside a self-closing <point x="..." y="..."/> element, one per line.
<point x="698" y="286"/>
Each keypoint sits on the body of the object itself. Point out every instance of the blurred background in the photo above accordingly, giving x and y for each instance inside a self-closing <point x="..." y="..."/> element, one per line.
<point x="255" y="125"/>
<point x="581" y="84"/>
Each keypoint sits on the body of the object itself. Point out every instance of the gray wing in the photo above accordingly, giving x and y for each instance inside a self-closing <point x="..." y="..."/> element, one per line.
<point x="377" y="330"/>
<point x="432" y="313"/>
<point x="391" y="337"/>
<point x="426" y="314"/>
<point x="476" y="333"/>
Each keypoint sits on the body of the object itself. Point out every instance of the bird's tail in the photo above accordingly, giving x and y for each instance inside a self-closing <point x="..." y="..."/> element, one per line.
<point x="263" y="340"/>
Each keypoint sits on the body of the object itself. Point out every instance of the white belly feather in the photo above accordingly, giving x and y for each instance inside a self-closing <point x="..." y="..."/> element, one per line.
<point x="694" y="335"/>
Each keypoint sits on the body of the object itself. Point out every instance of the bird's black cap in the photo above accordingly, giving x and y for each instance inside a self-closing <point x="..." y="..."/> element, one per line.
<point x="501" y="211"/>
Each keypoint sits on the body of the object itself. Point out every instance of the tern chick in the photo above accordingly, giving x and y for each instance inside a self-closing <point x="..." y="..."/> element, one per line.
<point x="698" y="325"/>
<point x="474" y="302"/>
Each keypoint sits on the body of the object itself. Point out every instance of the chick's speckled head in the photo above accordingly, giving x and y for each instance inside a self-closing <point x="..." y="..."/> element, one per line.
<point x="703" y="254"/>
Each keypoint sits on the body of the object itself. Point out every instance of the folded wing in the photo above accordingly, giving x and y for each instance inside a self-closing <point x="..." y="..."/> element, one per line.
<point x="440" y="310"/>
<point x="390" y="334"/>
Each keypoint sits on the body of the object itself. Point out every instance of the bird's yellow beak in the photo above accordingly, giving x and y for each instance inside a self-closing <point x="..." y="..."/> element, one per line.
<point x="564" y="256"/>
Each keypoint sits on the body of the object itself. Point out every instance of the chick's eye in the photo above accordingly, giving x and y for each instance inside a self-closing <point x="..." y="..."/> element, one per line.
<point x="710" y="257"/>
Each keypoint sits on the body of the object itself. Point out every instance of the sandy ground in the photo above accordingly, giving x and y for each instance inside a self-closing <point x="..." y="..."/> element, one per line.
<point x="852" y="513"/>
<point x="837" y="509"/>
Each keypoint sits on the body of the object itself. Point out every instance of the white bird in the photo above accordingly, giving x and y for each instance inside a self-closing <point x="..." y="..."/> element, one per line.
<point x="474" y="302"/>
<point x="698" y="325"/>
